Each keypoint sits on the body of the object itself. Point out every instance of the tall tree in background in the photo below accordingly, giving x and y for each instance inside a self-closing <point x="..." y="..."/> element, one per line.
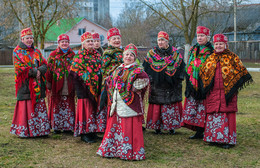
<point x="106" y="23"/>
<point x="184" y="15"/>
<point x="180" y="13"/>
<point x="134" y="23"/>
<point x="40" y="15"/>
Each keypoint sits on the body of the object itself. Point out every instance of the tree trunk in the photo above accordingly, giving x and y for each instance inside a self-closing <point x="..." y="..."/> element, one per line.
<point x="187" y="48"/>
<point x="42" y="42"/>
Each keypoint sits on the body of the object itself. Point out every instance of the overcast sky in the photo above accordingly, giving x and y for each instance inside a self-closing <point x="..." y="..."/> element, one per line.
<point x="116" y="6"/>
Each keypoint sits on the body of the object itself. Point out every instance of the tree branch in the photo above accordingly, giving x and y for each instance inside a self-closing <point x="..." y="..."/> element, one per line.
<point x="14" y="11"/>
<point x="160" y="14"/>
<point x="172" y="13"/>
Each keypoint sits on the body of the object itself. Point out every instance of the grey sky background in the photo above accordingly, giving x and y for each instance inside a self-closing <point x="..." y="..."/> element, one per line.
<point x="116" y="6"/>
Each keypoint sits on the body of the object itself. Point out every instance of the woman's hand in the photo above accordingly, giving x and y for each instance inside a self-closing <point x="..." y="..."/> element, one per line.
<point x="48" y="85"/>
<point x="38" y="76"/>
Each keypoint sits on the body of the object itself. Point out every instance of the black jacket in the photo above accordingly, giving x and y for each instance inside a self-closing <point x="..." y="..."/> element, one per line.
<point x="165" y="89"/>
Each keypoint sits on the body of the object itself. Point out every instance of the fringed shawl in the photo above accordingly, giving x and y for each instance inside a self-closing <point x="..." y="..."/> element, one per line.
<point x="87" y="66"/>
<point x="26" y="59"/>
<point x="197" y="56"/>
<point x="123" y="79"/>
<point x="169" y="62"/>
<point x="234" y="74"/>
<point x="111" y="59"/>
<point x="59" y="63"/>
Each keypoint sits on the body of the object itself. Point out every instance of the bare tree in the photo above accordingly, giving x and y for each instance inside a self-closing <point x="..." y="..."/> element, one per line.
<point x="184" y="15"/>
<point x="40" y="15"/>
<point x="180" y="13"/>
<point x="133" y="23"/>
<point x="106" y="22"/>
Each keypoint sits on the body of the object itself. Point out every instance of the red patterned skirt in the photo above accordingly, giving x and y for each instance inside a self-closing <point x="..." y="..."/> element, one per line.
<point x="62" y="112"/>
<point x="87" y="119"/>
<point x="221" y="128"/>
<point x="166" y="117"/>
<point x="123" y="138"/>
<point x="194" y="113"/>
<point x="27" y="123"/>
<point x="101" y="119"/>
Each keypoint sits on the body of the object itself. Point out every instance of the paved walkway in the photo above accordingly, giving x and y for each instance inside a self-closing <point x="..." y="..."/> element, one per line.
<point x="253" y="69"/>
<point x="6" y="66"/>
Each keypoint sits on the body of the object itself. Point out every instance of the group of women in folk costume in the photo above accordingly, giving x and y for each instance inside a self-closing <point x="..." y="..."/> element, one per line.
<point x="112" y="91"/>
<point x="214" y="76"/>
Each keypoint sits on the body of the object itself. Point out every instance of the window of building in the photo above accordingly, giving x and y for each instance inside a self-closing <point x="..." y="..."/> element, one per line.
<point x="81" y="31"/>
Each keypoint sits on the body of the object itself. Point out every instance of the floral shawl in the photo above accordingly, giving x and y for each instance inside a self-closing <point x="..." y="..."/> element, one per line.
<point x="59" y="63"/>
<point x="111" y="59"/>
<point x="124" y="78"/>
<point x="197" y="56"/>
<point x="26" y="59"/>
<point x="234" y="74"/>
<point x="87" y="66"/>
<point x="170" y="62"/>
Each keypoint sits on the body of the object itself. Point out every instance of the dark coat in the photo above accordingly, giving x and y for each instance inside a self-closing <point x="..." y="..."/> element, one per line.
<point x="100" y="50"/>
<point x="166" y="93"/>
<point x="165" y="89"/>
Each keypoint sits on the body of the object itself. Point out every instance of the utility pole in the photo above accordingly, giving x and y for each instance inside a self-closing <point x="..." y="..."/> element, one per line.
<point x="235" y="23"/>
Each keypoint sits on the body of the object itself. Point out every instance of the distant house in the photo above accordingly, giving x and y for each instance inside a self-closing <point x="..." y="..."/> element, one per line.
<point x="248" y="23"/>
<point x="74" y="28"/>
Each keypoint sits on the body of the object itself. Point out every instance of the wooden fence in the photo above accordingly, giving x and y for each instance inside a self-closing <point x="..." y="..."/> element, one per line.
<point x="246" y="50"/>
<point x="6" y="56"/>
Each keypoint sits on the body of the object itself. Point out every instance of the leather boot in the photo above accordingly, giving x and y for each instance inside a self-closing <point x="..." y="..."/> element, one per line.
<point x="67" y="132"/>
<point x="87" y="138"/>
<point x="158" y="131"/>
<point x="198" y="134"/>
<point x="95" y="136"/>
<point x="226" y="146"/>
<point x="57" y="131"/>
<point x="172" y="132"/>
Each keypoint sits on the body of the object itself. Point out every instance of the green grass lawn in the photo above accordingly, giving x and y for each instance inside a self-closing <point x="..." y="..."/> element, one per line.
<point x="64" y="150"/>
<point x="252" y="64"/>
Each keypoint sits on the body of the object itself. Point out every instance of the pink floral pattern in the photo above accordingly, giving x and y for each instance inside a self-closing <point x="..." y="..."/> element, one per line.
<point x="59" y="63"/>
<point x="87" y="65"/>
